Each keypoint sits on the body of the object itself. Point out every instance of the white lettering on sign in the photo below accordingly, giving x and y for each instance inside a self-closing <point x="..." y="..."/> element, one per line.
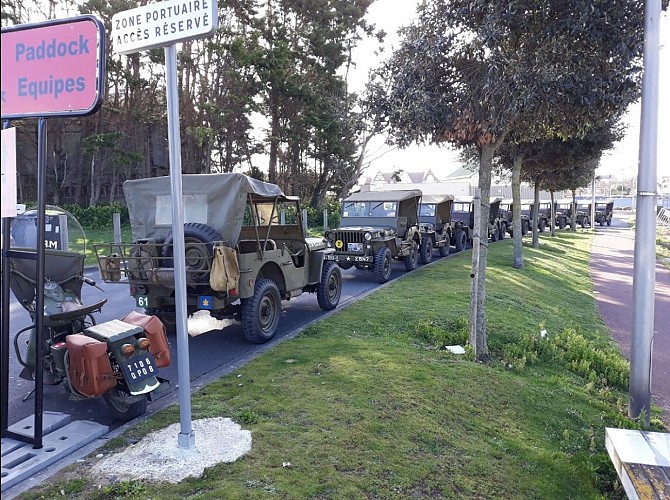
<point x="163" y="23"/>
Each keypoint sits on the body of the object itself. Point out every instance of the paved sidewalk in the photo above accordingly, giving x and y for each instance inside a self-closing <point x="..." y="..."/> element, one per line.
<point x="612" y="274"/>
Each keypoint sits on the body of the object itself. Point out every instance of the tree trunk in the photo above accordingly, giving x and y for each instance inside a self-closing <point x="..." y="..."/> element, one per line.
<point x="573" y="212"/>
<point x="536" y="214"/>
<point x="274" y="137"/>
<point x="517" y="237"/>
<point x="553" y="216"/>
<point x="485" y="168"/>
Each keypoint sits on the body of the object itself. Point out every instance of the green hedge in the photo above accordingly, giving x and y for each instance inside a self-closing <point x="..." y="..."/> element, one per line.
<point x="100" y="216"/>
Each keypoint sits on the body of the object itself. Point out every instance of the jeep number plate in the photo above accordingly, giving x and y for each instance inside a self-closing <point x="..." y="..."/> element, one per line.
<point x="355" y="247"/>
<point x="142" y="301"/>
<point x="139" y="367"/>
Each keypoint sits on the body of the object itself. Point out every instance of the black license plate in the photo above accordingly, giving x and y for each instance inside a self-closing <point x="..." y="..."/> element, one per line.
<point x="139" y="367"/>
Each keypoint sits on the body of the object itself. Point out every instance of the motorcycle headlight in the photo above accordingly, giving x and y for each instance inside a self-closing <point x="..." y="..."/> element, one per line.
<point x="144" y="343"/>
<point x="367" y="236"/>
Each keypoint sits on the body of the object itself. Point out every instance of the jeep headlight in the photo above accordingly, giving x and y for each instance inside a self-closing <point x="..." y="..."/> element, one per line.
<point x="329" y="235"/>
<point x="367" y="236"/>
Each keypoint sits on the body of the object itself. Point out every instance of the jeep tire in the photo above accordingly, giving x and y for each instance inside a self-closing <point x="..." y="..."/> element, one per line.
<point x="412" y="259"/>
<point x="461" y="241"/>
<point x="261" y="312"/>
<point x="383" y="264"/>
<point x="541" y="225"/>
<point x="330" y="288"/>
<point x="198" y="240"/>
<point x="444" y="249"/>
<point x="426" y="250"/>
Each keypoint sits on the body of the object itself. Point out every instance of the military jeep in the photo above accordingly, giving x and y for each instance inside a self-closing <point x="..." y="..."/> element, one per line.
<point x="604" y="212"/>
<point x="245" y="251"/>
<point x="463" y="221"/>
<point x="563" y="212"/>
<point x="435" y="215"/>
<point x="506" y="214"/>
<point x="376" y="227"/>
<point x="583" y="213"/>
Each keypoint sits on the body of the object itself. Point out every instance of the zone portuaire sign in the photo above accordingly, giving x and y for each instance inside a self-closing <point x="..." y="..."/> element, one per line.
<point x="163" y="23"/>
<point x="53" y="69"/>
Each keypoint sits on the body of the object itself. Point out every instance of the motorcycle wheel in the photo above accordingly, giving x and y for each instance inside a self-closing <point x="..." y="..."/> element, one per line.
<point x="123" y="406"/>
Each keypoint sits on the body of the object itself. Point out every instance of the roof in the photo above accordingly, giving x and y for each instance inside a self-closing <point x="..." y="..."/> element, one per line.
<point x="468" y="199"/>
<point x="436" y="198"/>
<point x="461" y="172"/>
<point x="384" y="195"/>
<point x="217" y="200"/>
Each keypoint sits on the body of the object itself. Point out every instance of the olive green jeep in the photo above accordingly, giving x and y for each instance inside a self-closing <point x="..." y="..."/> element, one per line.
<point x="245" y="251"/>
<point x="376" y="227"/>
<point x="435" y="215"/>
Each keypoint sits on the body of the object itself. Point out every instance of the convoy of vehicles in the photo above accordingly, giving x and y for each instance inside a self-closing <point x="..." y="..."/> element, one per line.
<point x="245" y="251"/>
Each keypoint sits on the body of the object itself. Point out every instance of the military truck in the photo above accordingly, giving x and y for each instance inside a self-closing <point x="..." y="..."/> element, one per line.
<point x="604" y="212"/>
<point x="463" y="221"/>
<point x="245" y="252"/>
<point x="506" y="211"/>
<point x="377" y="227"/>
<point x="435" y="215"/>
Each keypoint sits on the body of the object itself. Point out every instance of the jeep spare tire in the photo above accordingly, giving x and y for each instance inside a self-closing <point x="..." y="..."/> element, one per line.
<point x="198" y="240"/>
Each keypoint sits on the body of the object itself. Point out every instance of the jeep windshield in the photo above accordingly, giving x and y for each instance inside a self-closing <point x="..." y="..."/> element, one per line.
<point x="370" y="209"/>
<point x="462" y="207"/>
<point x="427" y="210"/>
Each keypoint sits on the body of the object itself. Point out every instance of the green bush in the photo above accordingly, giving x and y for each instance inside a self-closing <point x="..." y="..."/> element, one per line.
<point x="100" y="216"/>
<point x="315" y="215"/>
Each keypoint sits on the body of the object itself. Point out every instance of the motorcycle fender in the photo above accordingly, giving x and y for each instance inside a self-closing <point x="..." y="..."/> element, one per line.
<point x="143" y="387"/>
<point x="159" y="346"/>
<point x="89" y="369"/>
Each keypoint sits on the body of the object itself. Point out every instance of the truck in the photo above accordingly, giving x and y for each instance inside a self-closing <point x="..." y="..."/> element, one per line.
<point x="245" y="252"/>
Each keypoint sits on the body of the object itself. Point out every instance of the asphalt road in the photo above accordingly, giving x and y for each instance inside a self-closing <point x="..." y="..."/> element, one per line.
<point x="215" y="346"/>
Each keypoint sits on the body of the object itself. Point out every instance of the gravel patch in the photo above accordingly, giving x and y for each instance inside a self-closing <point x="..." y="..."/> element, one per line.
<point x="158" y="458"/>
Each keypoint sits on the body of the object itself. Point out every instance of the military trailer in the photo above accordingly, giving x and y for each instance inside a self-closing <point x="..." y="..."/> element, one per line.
<point x="463" y="221"/>
<point x="245" y="252"/>
<point x="376" y="227"/>
<point x="435" y="219"/>
<point x="604" y="212"/>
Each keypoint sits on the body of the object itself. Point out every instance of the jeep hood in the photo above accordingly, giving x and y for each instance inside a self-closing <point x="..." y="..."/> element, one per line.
<point x="217" y="200"/>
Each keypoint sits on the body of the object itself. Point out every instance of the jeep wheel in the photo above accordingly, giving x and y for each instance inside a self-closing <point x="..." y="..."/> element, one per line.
<point x="330" y="288"/>
<point x="585" y="222"/>
<point x="444" y="249"/>
<point x="383" y="264"/>
<point x="260" y="313"/>
<point x="494" y="234"/>
<point x="503" y="231"/>
<point x="461" y="241"/>
<point x="198" y="240"/>
<point x="412" y="260"/>
<point x="525" y="226"/>
<point x="562" y="223"/>
<point x="609" y="221"/>
<point x="541" y="225"/>
<point x="426" y="250"/>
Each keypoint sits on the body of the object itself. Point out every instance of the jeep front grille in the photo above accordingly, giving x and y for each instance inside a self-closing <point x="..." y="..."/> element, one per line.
<point x="347" y="237"/>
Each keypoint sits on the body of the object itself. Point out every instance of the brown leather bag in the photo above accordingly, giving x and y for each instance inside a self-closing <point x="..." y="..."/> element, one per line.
<point x="89" y="369"/>
<point x="159" y="346"/>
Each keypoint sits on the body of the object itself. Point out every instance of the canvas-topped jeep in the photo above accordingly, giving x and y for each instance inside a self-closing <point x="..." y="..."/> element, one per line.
<point x="506" y="211"/>
<point x="376" y="227"/>
<point x="245" y="252"/>
<point x="463" y="221"/>
<point x="604" y="212"/>
<point x="435" y="218"/>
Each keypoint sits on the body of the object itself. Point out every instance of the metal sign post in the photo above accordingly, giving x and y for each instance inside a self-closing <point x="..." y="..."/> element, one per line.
<point x="163" y="24"/>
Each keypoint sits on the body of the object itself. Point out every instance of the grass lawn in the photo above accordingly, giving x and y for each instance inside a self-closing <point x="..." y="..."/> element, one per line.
<point x="368" y="404"/>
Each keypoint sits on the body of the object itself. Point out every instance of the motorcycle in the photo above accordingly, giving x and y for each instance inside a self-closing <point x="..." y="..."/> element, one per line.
<point x="118" y="359"/>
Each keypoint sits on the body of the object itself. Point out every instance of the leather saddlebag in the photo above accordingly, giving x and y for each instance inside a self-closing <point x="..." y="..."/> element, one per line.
<point x="89" y="369"/>
<point x="159" y="346"/>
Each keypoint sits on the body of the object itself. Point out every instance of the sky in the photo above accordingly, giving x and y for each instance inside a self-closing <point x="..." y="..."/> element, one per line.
<point x="621" y="162"/>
